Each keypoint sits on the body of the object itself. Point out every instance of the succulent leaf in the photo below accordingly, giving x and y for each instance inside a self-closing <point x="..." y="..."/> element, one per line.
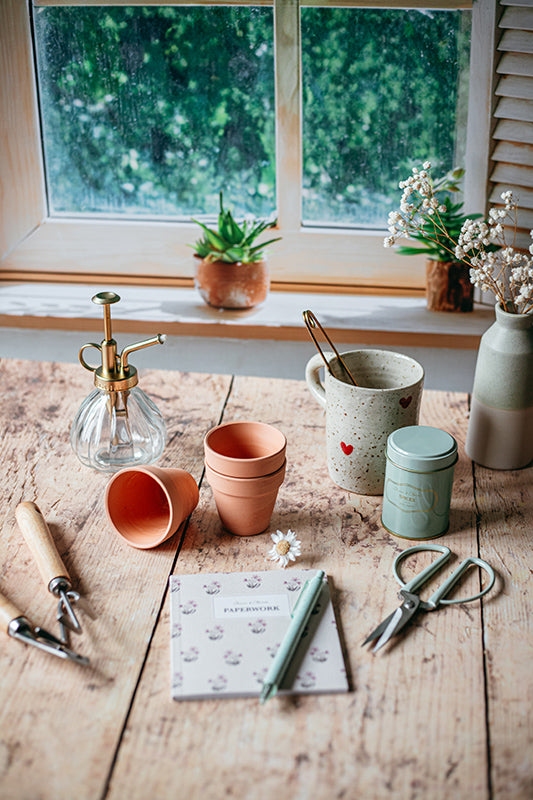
<point x="231" y="242"/>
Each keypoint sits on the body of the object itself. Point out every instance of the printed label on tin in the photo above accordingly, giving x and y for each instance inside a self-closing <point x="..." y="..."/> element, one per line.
<point x="407" y="497"/>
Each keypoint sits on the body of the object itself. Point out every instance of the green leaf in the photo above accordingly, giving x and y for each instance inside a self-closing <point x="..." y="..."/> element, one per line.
<point x="264" y="244"/>
<point x="415" y="251"/>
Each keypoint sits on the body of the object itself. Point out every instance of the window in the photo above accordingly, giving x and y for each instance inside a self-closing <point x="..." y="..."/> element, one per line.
<point x="143" y="115"/>
<point x="320" y="82"/>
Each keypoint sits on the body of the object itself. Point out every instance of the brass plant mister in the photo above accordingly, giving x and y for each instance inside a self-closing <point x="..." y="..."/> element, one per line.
<point x="117" y="424"/>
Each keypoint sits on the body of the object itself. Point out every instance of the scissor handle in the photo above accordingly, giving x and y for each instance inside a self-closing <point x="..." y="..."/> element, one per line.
<point x="427" y="573"/>
<point x="438" y="596"/>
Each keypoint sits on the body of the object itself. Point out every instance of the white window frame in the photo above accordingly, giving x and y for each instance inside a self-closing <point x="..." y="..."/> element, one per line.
<point x="36" y="246"/>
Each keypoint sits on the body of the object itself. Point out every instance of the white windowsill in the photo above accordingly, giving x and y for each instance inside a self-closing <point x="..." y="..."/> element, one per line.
<point x="182" y="312"/>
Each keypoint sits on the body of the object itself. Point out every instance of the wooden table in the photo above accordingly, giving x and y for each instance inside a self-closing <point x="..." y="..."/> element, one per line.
<point x="445" y="713"/>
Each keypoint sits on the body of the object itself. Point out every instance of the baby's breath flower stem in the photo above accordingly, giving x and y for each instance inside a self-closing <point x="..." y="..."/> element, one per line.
<point x="479" y="244"/>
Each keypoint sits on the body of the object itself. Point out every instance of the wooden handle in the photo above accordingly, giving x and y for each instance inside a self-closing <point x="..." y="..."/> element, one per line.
<point x="8" y="612"/>
<point x="39" y="539"/>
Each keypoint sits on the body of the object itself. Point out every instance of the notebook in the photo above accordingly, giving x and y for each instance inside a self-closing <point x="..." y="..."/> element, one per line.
<point x="227" y="627"/>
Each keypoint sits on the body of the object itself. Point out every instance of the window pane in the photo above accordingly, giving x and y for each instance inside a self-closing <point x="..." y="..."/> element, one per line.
<point x="154" y="110"/>
<point x="384" y="90"/>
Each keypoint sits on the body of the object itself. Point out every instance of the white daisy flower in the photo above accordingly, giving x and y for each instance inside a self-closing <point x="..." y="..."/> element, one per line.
<point x="285" y="548"/>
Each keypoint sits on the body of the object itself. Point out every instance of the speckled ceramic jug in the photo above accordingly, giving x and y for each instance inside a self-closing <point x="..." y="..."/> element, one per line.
<point x="500" y="429"/>
<point x="360" y="418"/>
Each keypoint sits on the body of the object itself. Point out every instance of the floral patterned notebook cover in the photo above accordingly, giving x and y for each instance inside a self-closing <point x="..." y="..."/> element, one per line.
<point x="227" y="627"/>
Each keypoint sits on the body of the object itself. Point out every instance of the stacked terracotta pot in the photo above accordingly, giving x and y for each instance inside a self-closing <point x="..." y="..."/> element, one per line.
<point x="245" y="466"/>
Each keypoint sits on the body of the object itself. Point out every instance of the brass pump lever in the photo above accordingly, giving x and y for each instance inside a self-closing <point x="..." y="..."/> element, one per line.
<point x="114" y="373"/>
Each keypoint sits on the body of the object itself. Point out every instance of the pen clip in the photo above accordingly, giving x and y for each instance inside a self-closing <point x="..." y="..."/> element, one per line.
<point x="304" y="587"/>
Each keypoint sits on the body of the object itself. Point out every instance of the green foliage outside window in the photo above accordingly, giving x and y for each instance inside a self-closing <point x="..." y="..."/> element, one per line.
<point x="154" y="110"/>
<point x="382" y="92"/>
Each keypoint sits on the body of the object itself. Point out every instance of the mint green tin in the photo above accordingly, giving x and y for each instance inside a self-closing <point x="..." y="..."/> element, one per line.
<point x="418" y="482"/>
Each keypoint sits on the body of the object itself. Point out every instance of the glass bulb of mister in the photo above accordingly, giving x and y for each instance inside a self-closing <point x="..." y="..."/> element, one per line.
<point x="118" y="429"/>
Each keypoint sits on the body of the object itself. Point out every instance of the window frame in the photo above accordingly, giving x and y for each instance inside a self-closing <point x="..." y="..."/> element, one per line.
<point x="37" y="246"/>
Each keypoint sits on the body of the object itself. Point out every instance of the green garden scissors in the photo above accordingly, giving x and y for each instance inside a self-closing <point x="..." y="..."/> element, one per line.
<point x="411" y="602"/>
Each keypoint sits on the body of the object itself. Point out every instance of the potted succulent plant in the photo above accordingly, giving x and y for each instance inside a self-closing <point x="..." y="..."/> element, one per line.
<point x="428" y="215"/>
<point x="230" y="266"/>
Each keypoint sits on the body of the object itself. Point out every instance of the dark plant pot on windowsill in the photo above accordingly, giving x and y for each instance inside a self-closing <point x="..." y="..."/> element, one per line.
<point x="236" y="286"/>
<point x="448" y="286"/>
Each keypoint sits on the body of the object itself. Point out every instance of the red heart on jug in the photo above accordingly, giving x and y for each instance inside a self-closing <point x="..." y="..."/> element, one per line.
<point x="405" y="401"/>
<point x="346" y="448"/>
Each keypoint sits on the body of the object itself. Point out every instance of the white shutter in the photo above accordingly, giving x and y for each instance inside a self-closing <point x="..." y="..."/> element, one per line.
<point x="512" y="136"/>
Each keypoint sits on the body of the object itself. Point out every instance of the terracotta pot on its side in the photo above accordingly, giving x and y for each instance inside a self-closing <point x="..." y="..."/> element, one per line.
<point x="448" y="286"/>
<point x="231" y="285"/>
<point x="146" y="505"/>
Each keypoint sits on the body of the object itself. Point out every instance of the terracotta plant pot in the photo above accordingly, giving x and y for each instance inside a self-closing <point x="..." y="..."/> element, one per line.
<point x="231" y="285"/>
<point x="245" y="449"/>
<point x="448" y="286"/>
<point x="245" y="505"/>
<point x="146" y="505"/>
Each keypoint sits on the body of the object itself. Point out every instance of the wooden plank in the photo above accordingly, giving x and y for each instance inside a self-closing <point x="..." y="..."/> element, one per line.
<point x="514" y="109"/>
<point x="451" y="4"/>
<point x="520" y="18"/>
<point x="288" y="113"/>
<point x="22" y="202"/>
<point x="516" y="63"/>
<point x="513" y="153"/>
<point x="520" y="132"/>
<point x="505" y="504"/>
<point x="524" y="196"/>
<point x="59" y="723"/>
<point x="516" y="175"/>
<point x="515" y="86"/>
<point x="144" y="249"/>
<point x="478" y="130"/>
<point x="413" y="724"/>
<point x="362" y="336"/>
<point x="516" y="41"/>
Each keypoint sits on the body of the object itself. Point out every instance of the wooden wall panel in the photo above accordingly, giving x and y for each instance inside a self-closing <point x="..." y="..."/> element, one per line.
<point x="22" y="204"/>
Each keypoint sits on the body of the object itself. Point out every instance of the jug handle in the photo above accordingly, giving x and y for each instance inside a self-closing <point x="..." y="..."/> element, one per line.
<point x="312" y="376"/>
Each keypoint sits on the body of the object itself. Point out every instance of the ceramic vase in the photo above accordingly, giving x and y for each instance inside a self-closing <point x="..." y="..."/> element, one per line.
<point x="237" y="286"/>
<point x="500" y="429"/>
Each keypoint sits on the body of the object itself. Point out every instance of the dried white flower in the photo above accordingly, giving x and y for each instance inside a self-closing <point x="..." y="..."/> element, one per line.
<point x="481" y="244"/>
<point x="286" y="547"/>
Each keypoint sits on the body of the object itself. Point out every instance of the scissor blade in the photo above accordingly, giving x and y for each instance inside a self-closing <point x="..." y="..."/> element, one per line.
<point x="376" y="633"/>
<point x="399" y="619"/>
<point x="389" y="631"/>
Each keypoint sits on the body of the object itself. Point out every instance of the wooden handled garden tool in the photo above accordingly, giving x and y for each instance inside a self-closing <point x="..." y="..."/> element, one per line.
<point x="53" y="572"/>
<point x="19" y="627"/>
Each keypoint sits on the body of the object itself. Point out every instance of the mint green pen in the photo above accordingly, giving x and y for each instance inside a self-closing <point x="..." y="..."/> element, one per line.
<point x="305" y="604"/>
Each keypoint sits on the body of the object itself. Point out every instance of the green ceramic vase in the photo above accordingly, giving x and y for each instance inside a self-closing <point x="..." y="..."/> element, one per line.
<point x="500" y="429"/>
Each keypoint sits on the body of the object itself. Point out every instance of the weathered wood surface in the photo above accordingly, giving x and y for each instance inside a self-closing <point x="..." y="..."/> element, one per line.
<point x="59" y="723"/>
<point x="414" y="724"/>
<point x="505" y="532"/>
